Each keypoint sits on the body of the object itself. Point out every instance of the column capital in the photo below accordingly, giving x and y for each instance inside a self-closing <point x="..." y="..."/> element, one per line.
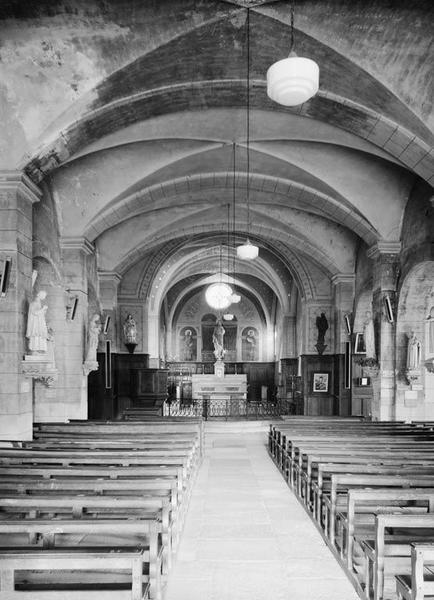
<point x="108" y="286"/>
<point x="109" y="276"/>
<point x="79" y="243"/>
<point x="18" y="181"/>
<point x="343" y="278"/>
<point x="383" y="247"/>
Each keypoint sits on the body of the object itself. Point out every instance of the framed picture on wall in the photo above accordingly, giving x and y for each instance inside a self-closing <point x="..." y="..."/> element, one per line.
<point x="320" y="382"/>
<point x="359" y="344"/>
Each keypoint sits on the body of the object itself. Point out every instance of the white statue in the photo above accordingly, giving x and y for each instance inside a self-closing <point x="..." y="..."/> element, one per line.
<point x="369" y="335"/>
<point x="413" y="352"/>
<point x="217" y="338"/>
<point x="130" y="330"/>
<point x="37" y="332"/>
<point x="93" y="339"/>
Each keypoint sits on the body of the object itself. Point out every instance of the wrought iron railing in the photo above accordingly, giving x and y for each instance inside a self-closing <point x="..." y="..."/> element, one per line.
<point x="228" y="408"/>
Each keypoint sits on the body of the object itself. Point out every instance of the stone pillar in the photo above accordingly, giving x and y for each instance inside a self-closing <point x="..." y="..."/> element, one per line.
<point x="75" y="252"/>
<point x="343" y="288"/>
<point x="289" y="346"/>
<point x="153" y="324"/>
<point x="17" y="195"/>
<point x="108" y="287"/>
<point x="344" y="298"/>
<point x="385" y="256"/>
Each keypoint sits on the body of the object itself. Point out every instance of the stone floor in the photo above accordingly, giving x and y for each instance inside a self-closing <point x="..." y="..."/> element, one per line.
<point x="246" y="536"/>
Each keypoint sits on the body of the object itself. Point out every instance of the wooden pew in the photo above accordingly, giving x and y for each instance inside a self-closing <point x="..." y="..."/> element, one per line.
<point x="156" y="460"/>
<point x="60" y="560"/>
<point x="392" y="553"/>
<point x="390" y="467"/>
<point x="357" y="455"/>
<point x="83" y="506"/>
<point x="420" y="585"/>
<point x="369" y="502"/>
<point x="146" y="488"/>
<point x="341" y="483"/>
<point x="120" y="459"/>
<point x="93" y="534"/>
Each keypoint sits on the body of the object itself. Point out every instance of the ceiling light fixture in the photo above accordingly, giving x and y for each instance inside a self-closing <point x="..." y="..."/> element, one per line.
<point x="218" y="295"/>
<point x="293" y="80"/>
<point x="248" y="251"/>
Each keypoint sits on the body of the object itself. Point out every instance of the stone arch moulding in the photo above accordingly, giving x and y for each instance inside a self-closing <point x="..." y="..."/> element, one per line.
<point x="258" y="234"/>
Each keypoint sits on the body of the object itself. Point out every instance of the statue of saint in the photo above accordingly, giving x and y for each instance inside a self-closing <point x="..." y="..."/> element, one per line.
<point x="188" y="345"/>
<point x="93" y="338"/>
<point x="37" y="332"/>
<point x="322" y="326"/>
<point x="130" y="330"/>
<point x="217" y="339"/>
<point x="369" y="335"/>
<point x="413" y="352"/>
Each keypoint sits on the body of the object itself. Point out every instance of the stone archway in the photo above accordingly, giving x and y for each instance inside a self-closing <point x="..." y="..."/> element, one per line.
<point x="414" y="399"/>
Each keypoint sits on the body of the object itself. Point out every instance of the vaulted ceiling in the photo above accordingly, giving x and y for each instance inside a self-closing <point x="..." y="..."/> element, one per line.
<point x="132" y="117"/>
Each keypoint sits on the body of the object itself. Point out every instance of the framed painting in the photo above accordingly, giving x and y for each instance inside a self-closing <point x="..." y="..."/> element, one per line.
<point x="320" y="382"/>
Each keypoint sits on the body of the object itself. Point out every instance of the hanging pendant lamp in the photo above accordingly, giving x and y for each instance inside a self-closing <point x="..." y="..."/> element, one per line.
<point x="293" y="80"/>
<point x="248" y="251"/>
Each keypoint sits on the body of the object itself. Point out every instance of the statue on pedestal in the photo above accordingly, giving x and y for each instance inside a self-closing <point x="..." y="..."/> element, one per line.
<point x="37" y="332"/>
<point x="322" y="326"/>
<point x="217" y="339"/>
<point x="413" y="352"/>
<point x="130" y="330"/>
<point x="130" y="333"/>
<point x="90" y="363"/>
<point x="39" y="364"/>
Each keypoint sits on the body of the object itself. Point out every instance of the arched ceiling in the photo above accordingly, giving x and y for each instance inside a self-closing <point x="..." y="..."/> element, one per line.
<point x="133" y="115"/>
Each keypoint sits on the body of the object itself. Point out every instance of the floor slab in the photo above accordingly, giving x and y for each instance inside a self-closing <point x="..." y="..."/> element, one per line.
<point x="246" y="536"/>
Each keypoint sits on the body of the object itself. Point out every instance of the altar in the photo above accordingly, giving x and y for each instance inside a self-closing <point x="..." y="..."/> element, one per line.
<point x="220" y="396"/>
<point x="214" y="387"/>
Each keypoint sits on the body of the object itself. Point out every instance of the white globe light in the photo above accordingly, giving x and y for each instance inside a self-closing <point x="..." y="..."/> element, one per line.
<point x="218" y="295"/>
<point x="293" y="80"/>
<point x="228" y="316"/>
<point x="247" y="251"/>
<point x="235" y="298"/>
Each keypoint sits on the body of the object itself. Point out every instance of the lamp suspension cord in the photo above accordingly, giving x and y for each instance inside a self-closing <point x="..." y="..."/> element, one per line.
<point x="220" y="264"/>
<point x="234" y="199"/>
<point x="292" y="26"/>
<point x="248" y="122"/>
<point x="229" y="238"/>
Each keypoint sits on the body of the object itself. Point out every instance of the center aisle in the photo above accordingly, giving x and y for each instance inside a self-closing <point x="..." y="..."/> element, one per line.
<point x="246" y="536"/>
